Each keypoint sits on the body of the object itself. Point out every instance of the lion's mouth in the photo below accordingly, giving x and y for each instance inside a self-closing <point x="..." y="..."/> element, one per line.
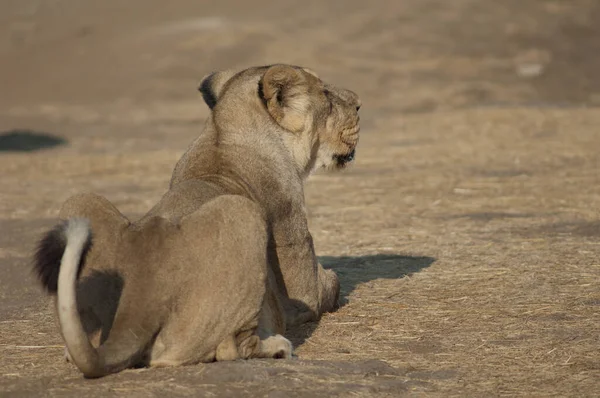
<point x="342" y="160"/>
<point x="349" y="137"/>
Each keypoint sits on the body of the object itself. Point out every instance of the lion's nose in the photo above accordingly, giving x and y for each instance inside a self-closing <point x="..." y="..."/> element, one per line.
<point x="358" y="104"/>
<point x="357" y="108"/>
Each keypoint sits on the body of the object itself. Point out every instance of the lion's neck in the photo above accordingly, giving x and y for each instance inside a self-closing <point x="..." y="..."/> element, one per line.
<point x="303" y="150"/>
<point x="253" y="157"/>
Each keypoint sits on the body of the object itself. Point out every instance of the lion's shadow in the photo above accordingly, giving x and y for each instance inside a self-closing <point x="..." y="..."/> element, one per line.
<point x="353" y="271"/>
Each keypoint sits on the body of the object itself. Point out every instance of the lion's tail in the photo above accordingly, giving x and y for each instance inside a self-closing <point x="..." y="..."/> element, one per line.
<point x="77" y="235"/>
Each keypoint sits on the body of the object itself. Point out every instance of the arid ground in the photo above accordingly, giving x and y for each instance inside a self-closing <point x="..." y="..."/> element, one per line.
<point x="466" y="236"/>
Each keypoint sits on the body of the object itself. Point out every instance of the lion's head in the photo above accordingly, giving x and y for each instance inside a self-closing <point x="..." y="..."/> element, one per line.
<point x="318" y="122"/>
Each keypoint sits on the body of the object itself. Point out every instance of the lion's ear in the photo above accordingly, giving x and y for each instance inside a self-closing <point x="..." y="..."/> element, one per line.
<point x="212" y="85"/>
<point x="284" y="90"/>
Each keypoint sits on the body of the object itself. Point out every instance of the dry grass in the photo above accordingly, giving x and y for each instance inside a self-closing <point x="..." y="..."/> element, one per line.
<point x="510" y="303"/>
<point x="466" y="237"/>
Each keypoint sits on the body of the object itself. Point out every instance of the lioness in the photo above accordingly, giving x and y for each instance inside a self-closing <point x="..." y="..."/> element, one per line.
<point x="220" y="266"/>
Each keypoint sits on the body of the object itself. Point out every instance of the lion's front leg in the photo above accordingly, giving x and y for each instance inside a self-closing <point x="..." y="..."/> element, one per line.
<point x="308" y="288"/>
<point x="330" y="289"/>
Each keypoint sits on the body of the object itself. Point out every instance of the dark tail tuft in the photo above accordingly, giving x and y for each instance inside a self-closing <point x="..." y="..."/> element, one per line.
<point x="48" y="256"/>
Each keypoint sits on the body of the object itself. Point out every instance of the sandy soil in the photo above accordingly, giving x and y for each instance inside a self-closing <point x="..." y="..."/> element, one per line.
<point x="466" y="236"/>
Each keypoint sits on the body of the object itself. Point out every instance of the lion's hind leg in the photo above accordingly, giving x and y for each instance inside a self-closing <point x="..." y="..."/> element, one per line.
<point x="101" y="213"/>
<point x="97" y="295"/>
<point x="222" y="259"/>
<point x="227" y="350"/>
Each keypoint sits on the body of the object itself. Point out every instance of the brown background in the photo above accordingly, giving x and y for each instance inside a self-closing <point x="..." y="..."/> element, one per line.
<point x="466" y="236"/>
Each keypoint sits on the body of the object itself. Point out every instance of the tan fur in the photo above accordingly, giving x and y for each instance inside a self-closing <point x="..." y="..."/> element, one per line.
<point x="224" y="262"/>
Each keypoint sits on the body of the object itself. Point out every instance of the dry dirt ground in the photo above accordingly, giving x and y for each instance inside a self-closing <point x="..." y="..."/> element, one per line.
<point x="466" y="236"/>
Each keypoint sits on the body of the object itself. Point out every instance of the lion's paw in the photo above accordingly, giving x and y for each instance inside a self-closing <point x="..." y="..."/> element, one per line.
<point x="277" y="347"/>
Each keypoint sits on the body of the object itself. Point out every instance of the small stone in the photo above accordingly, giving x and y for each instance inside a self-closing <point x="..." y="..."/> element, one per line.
<point x="530" y="70"/>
